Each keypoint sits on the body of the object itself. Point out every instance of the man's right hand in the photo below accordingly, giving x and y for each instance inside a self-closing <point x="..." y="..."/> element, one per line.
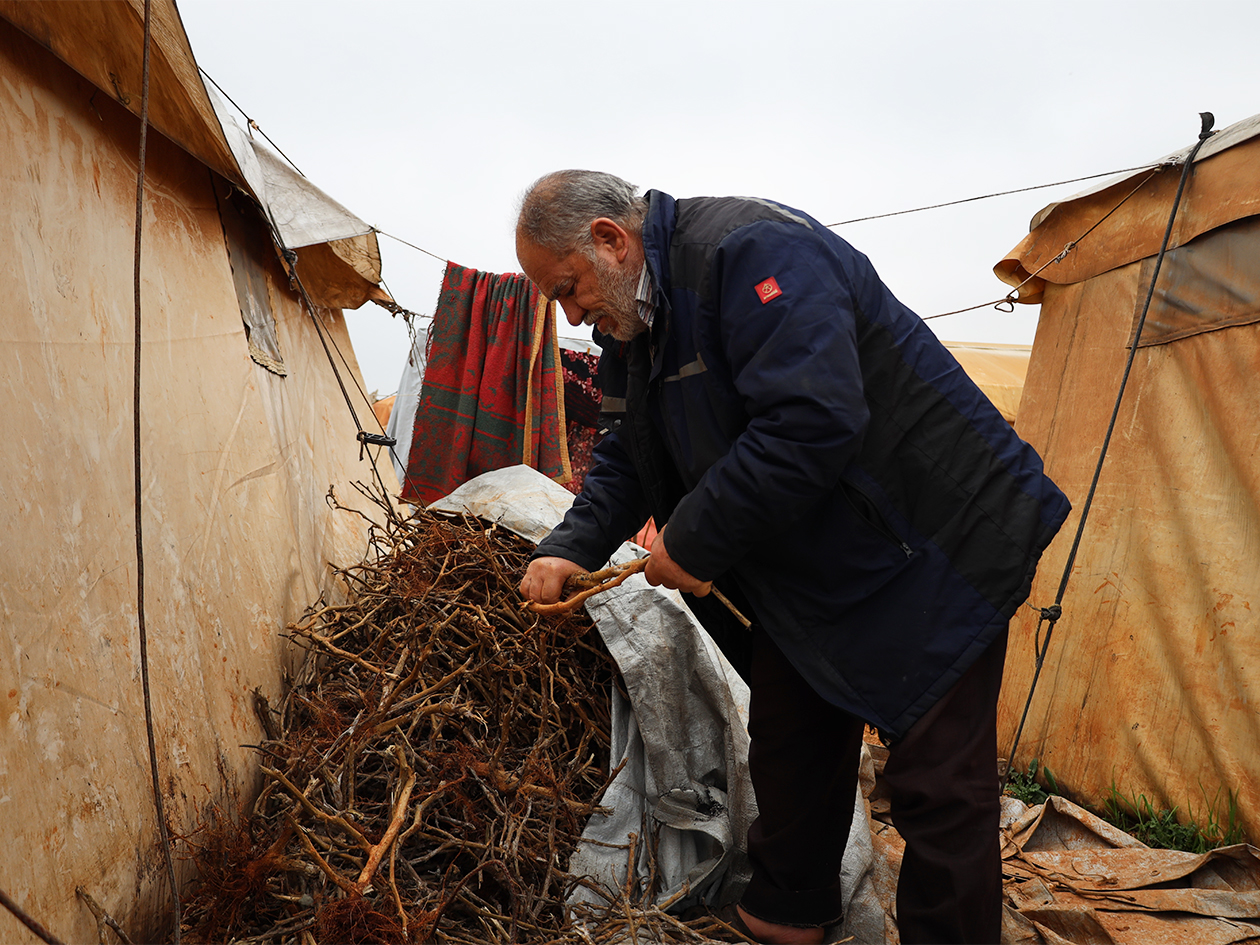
<point x="544" y="579"/>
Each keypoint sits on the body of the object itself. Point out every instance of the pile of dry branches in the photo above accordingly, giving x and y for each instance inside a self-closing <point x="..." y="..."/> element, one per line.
<point x="428" y="775"/>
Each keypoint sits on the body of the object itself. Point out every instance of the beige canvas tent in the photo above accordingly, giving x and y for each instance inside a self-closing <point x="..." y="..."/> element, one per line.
<point x="244" y="430"/>
<point x="1152" y="681"/>
<point x="997" y="369"/>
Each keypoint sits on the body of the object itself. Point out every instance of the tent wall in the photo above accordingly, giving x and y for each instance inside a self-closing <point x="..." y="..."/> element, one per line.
<point x="237" y="461"/>
<point x="1153" y="677"/>
<point x="103" y="41"/>
<point x="997" y="369"/>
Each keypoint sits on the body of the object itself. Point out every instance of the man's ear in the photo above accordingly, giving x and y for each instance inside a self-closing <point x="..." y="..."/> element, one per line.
<point x="609" y="237"/>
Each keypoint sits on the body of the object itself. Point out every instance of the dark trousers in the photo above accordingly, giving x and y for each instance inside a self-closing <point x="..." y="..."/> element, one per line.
<point x="944" y="789"/>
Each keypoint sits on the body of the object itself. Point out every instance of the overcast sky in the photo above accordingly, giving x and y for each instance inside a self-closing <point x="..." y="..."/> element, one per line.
<point x="428" y="119"/>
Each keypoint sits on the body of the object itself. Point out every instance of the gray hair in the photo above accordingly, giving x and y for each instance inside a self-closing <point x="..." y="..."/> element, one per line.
<point x="557" y="210"/>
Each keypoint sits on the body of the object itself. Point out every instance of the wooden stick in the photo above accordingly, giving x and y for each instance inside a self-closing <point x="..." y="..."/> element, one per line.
<point x="572" y="604"/>
<point x="103" y="918"/>
<point x="395" y="825"/>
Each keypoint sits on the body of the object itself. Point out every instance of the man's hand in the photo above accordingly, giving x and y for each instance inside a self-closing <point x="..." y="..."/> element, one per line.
<point x="544" y="579"/>
<point x="662" y="569"/>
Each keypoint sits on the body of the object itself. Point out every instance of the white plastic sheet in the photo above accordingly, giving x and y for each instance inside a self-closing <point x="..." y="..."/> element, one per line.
<point x="303" y="214"/>
<point x="402" y="417"/>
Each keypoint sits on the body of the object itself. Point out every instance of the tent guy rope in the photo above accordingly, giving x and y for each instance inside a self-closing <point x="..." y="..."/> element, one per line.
<point x="21" y="915"/>
<point x="1012" y="296"/>
<point x="163" y="834"/>
<point x="1000" y="193"/>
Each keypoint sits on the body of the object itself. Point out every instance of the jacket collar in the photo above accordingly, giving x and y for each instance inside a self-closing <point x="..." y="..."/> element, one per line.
<point x="658" y="228"/>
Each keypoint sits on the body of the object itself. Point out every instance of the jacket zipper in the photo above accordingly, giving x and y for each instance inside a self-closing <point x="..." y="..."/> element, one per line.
<point x="875" y="519"/>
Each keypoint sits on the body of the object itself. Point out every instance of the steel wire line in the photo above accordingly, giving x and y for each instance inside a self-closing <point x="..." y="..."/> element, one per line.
<point x="1000" y="193"/>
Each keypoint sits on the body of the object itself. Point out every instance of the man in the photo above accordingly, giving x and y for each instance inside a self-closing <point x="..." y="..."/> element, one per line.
<point x="807" y="445"/>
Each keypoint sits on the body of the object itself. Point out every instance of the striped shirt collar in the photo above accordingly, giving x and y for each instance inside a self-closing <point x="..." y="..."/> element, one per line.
<point x="643" y="295"/>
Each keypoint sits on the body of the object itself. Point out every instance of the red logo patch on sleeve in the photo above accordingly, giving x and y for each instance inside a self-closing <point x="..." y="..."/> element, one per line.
<point x="767" y="290"/>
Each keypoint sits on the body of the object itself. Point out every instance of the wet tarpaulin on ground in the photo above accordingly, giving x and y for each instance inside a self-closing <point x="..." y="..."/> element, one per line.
<point x="1074" y="878"/>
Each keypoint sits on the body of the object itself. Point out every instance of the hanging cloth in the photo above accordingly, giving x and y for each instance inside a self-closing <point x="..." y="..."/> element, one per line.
<point x="493" y="393"/>
<point x="581" y="411"/>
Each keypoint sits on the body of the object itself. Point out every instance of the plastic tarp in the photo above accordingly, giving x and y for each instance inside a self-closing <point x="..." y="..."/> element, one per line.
<point x="1073" y="878"/>
<point x="303" y="214"/>
<point x="682" y="736"/>
<point x="402" y="416"/>
<point x="337" y="254"/>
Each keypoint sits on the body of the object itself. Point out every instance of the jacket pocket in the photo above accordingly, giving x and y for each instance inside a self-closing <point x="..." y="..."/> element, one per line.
<point x="869" y="512"/>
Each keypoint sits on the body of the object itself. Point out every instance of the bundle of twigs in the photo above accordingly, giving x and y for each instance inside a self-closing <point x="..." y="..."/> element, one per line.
<point x="428" y="775"/>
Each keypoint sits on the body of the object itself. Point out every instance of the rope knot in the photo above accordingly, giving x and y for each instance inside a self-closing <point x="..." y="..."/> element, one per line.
<point x="1051" y="613"/>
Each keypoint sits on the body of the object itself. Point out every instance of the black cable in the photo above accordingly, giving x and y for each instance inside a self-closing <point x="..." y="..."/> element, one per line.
<point x="1050" y="615"/>
<point x="252" y="123"/>
<point x="140" y="611"/>
<point x="1000" y="193"/>
<point x="1012" y="297"/>
<point x="878" y="216"/>
<point x="364" y="438"/>
<point x="144" y="637"/>
<point x="18" y="913"/>
<point x="412" y="245"/>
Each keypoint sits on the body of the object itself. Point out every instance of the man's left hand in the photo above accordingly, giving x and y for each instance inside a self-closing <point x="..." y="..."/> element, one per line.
<point x="662" y="569"/>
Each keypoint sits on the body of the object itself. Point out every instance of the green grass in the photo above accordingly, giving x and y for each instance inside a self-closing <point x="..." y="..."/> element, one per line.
<point x="1137" y="816"/>
<point x="1024" y="786"/>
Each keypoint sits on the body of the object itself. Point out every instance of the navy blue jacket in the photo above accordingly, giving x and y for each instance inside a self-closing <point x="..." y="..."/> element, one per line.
<point x="805" y="434"/>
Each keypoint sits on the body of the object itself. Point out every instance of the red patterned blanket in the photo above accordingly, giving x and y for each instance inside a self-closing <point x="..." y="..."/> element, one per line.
<point x="493" y="394"/>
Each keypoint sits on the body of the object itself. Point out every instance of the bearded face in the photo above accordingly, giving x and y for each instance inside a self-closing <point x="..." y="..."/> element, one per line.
<point x="617" y="287"/>
<point x="593" y="285"/>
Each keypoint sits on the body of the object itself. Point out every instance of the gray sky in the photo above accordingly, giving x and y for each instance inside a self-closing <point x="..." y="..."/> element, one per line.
<point x="428" y="119"/>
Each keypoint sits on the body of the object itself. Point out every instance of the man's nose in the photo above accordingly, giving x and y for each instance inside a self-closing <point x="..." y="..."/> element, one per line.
<point x="573" y="312"/>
